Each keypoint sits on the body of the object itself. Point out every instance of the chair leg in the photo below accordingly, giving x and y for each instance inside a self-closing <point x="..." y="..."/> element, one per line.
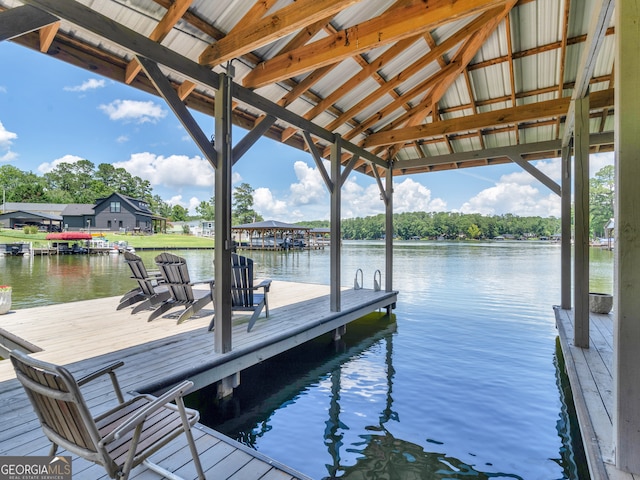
<point x="53" y="450"/>
<point x="163" y="472"/>
<point x="189" y="434"/>
<point x="152" y="302"/>
<point x="165" y="307"/>
<point x="194" y="308"/>
<point x="256" y="314"/>
<point x="130" y="301"/>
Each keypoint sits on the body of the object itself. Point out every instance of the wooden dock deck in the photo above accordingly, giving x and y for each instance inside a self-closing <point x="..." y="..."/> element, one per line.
<point x="87" y="334"/>
<point x="590" y="374"/>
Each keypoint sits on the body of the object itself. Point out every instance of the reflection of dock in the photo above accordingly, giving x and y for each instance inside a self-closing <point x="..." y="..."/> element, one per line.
<point x="14" y="249"/>
<point x="360" y="336"/>
<point x="87" y="334"/>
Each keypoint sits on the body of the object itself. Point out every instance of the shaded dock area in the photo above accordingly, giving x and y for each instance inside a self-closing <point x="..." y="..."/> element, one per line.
<point x="590" y="372"/>
<point x="88" y="334"/>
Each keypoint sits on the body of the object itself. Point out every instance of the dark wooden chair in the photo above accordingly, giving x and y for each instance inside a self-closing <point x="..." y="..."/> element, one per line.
<point x="118" y="439"/>
<point x="175" y="275"/>
<point x="150" y="291"/>
<point x="244" y="296"/>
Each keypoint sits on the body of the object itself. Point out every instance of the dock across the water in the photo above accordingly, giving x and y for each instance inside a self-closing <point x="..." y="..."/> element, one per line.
<point x="88" y="334"/>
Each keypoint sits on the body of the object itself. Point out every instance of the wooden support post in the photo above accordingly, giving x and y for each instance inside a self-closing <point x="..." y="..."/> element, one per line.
<point x="388" y="229"/>
<point x="581" y="243"/>
<point x="626" y="311"/>
<point x="565" y="245"/>
<point x="223" y="245"/>
<point x="336" y="233"/>
<point x="226" y="385"/>
<point x="339" y="332"/>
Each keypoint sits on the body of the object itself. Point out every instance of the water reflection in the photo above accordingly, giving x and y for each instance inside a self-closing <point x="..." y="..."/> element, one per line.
<point x="387" y="457"/>
<point x="282" y="381"/>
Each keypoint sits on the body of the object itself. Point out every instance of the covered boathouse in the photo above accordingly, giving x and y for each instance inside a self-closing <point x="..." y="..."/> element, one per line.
<point x="390" y="88"/>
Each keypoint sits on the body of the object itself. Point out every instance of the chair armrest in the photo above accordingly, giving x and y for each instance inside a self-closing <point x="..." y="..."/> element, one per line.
<point x="109" y="369"/>
<point x="142" y="414"/>
<point x="98" y="373"/>
<point x="266" y="283"/>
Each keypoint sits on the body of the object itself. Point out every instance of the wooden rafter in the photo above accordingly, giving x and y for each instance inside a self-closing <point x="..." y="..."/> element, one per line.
<point x="174" y="13"/>
<point x="513" y="115"/>
<point x="392" y="26"/>
<point x="249" y="36"/>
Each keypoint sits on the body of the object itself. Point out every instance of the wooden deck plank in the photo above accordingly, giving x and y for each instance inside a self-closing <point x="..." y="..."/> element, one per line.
<point x="590" y="374"/>
<point x="87" y="335"/>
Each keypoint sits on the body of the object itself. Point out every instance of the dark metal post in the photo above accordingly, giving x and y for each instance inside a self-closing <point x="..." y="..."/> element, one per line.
<point x="223" y="245"/>
<point x="336" y="233"/>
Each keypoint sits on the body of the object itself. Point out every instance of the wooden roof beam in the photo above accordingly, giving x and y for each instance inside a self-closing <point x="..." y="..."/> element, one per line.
<point x="47" y="34"/>
<point x="21" y="20"/>
<point x="458" y="64"/>
<point x="431" y="56"/>
<point x="394" y="25"/>
<point x="173" y="14"/>
<point x="526" y="151"/>
<point x="250" y="36"/>
<point x="513" y="115"/>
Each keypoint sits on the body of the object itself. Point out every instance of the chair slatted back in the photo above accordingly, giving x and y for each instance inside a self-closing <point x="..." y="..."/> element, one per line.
<point x="176" y="275"/>
<point x="62" y="411"/>
<point x="139" y="273"/>
<point x="241" y="281"/>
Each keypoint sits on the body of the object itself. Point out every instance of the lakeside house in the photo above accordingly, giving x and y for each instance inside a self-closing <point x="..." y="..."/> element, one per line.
<point x="116" y="212"/>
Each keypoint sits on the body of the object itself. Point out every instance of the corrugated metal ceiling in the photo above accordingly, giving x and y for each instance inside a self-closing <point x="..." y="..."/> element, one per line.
<point x="387" y="86"/>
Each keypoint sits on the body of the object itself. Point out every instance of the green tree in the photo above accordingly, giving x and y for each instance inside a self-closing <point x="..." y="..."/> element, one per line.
<point x="243" y="211"/>
<point x="179" y="213"/>
<point x="19" y="186"/>
<point x="601" y="199"/>
<point x="474" y="231"/>
<point x="207" y="210"/>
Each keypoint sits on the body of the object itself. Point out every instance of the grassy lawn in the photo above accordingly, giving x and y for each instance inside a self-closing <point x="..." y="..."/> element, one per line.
<point x="137" y="241"/>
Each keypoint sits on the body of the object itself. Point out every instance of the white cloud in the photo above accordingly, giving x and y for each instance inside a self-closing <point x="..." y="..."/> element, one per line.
<point x="309" y="198"/>
<point x="190" y="205"/>
<point x="411" y="196"/>
<point x="91" y="84"/>
<point x="518" y="199"/>
<point x="47" y="167"/>
<point x="3" y="89"/>
<point x="265" y="204"/>
<point x="310" y="187"/>
<point x="173" y="171"/>
<point x="133" y="110"/>
<point x="521" y="194"/>
<point x="122" y="139"/>
<point x="6" y="136"/>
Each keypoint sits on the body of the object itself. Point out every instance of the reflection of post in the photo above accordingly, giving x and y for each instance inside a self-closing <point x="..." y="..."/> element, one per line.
<point x="388" y="413"/>
<point x="332" y="439"/>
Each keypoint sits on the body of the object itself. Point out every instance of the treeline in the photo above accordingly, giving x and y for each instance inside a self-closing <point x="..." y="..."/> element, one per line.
<point x="448" y="225"/>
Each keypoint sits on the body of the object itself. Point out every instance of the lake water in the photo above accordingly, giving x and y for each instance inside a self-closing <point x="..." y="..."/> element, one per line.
<point x="464" y="383"/>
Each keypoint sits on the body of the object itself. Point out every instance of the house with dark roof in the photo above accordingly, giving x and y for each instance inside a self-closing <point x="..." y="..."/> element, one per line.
<point x="113" y="213"/>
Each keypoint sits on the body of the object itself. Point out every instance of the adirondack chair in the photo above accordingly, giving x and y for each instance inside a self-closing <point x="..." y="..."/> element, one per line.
<point x="243" y="291"/>
<point x="150" y="291"/>
<point x="118" y="439"/>
<point x="175" y="275"/>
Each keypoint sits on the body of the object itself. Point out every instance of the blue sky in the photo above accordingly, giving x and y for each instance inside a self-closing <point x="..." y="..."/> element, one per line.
<point x="51" y="111"/>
